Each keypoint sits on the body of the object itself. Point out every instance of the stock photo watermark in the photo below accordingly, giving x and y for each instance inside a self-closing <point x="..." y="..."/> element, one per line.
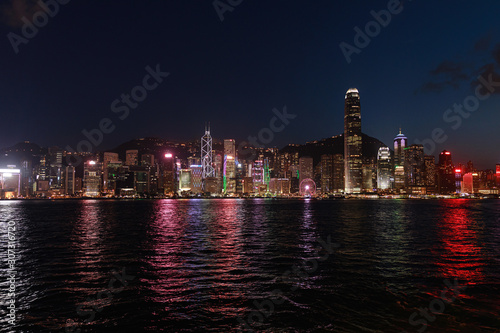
<point x="265" y="308"/>
<point x="10" y="300"/>
<point x="372" y="29"/>
<point x="266" y="134"/>
<point x="48" y="9"/>
<point x="120" y="106"/>
<point x="437" y="306"/>
<point x="223" y="6"/>
<point x="103" y="298"/>
<point x="459" y="112"/>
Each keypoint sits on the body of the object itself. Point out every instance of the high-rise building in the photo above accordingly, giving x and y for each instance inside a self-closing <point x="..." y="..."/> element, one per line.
<point x="446" y="176"/>
<point x="108" y="158"/>
<point x="498" y="174"/>
<point x="196" y="178"/>
<point x="184" y="180"/>
<point x="258" y="174"/>
<point x="414" y="167"/>
<point x="147" y="160"/>
<point x="132" y="157"/>
<point x="168" y="174"/>
<point x="206" y="154"/>
<point x="306" y="170"/>
<point x="400" y="144"/>
<point x="353" y="151"/>
<point x="326" y="173"/>
<point x="430" y="173"/>
<point x="92" y="173"/>
<point x="69" y="180"/>
<point x="470" y="183"/>
<point x="229" y="166"/>
<point x="384" y="168"/>
<point x="338" y="173"/>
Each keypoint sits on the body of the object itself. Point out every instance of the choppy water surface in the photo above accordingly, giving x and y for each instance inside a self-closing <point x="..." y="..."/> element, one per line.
<point x="265" y="265"/>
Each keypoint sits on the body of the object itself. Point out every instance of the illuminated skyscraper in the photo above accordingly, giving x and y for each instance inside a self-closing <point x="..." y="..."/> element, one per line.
<point x="384" y="168"/>
<point x="430" y="173"/>
<point x="305" y="168"/>
<point x="498" y="175"/>
<point x="131" y="157"/>
<point x="414" y="167"/>
<point x="206" y="155"/>
<point x="446" y="173"/>
<point x="400" y="143"/>
<point x="352" y="142"/>
<point x="92" y="178"/>
<point x="229" y="166"/>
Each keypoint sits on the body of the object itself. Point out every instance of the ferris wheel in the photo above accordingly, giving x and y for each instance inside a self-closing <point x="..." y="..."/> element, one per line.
<point x="307" y="187"/>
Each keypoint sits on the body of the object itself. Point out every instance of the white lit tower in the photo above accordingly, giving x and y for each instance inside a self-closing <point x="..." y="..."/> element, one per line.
<point x="353" y="148"/>
<point x="206" y="154"/>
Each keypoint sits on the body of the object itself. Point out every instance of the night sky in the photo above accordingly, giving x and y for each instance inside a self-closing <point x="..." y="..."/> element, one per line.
<point x="263" y="55"/>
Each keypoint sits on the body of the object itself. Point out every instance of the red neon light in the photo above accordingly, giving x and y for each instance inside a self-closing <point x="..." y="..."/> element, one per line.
<point x="447" y="153"/>
<point x="168" y="155"/>
<point x="458" y="170"/>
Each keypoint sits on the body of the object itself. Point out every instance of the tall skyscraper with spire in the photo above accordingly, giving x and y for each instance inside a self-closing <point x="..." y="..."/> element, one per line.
<point x="353" y="150"/>
<point x="206" y="154"/>
<point x="400" y="144"/>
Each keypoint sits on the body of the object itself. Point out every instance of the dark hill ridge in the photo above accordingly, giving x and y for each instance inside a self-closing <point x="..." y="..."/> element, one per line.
<point x="334" y="145"/>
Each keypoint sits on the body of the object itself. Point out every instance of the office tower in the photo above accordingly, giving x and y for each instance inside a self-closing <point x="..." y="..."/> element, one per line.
<point x="459" y="173"/>
<point x="446" y="177"/>
<point x="384" y="168"/>
<point x="229" y="175"/>
<point x="55" y="155"/>
<point x="258" y="176"/>
<point x="132" y="157"/>
<point x="326" y="182"/>
<point x="369" y="175"/>
<point x="92" y="173"/>
<point x="27" y="178"/>
<point x="196" y="178"/>
<point x="497" y="174"/>
<point x="338" y="173"/>
<point x="147" y="160"/>
<point x="69" y="181"/>
<point x="247" y="184"/>
<point x="10" y="183"/>
<point x="43" y="168"/>
<point x="107" y="158"/>
<point x="414" y="167"/>
<point x="430" y="173"/>
<point x="400" y="144"/>
<point x="353" y="142"/>
<point x="168" y="174"/>
<point x="470" y="183"/>
<point x="184" y="180"/>
<point x="141" y="179"/>
<point x="206" y="154"/>
<point x="306" y="170"/>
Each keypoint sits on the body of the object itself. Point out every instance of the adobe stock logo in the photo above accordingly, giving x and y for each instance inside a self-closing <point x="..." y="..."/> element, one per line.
<point x="49" y="8"/>
<point x="372" y="29"/>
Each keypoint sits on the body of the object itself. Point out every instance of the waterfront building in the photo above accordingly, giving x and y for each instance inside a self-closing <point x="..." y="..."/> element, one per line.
<point x="353" y="142"/>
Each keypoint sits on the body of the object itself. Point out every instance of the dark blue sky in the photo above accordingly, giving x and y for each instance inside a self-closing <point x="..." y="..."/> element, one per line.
<point x="264" y="55"/>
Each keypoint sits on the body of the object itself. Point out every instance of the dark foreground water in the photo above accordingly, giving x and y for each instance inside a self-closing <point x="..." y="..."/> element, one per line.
<point x="266" y="265"/>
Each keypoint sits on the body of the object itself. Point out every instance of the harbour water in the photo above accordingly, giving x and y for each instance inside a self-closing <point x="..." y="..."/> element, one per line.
<point x="257" y="264"/>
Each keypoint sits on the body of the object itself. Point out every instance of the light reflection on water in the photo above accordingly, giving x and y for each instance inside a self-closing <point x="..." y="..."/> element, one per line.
<point x="201" y="264"/>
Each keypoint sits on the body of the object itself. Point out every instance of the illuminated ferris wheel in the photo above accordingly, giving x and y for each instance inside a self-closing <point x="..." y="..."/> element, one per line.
<point x="307" y="187"/>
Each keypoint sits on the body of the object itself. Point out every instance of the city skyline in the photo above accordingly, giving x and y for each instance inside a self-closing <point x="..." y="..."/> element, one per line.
<point x="224" y="74"/>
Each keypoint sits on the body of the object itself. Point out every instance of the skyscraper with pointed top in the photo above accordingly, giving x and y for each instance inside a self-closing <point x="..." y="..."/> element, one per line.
<point x="353" y="150"/>
<point x="206" y="154"/>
